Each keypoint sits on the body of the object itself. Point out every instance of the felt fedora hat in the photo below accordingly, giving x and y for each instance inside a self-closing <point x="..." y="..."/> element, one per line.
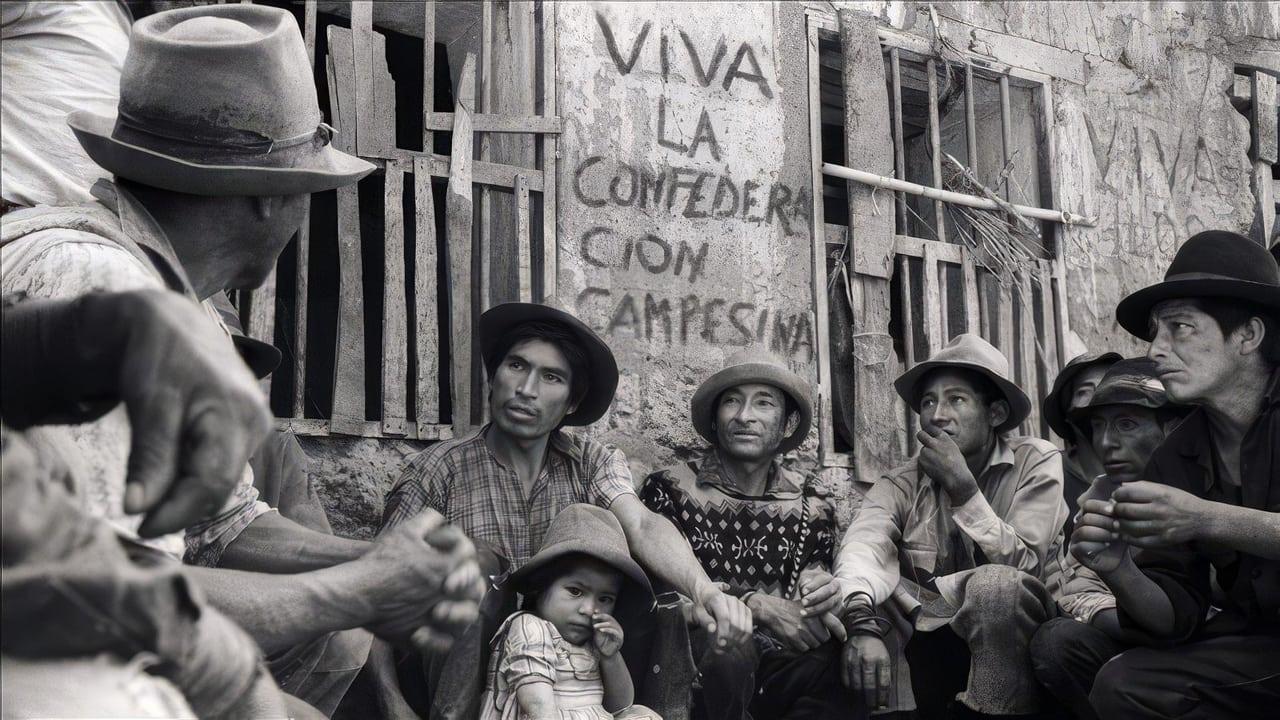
<point x="218" y="100"/>
<point x="582" y="529"/>
<point x="969" y="352"/>
<point x="602" y="380"/>
<point x="1056" y="407"/>
<point x="752" y="366"/>
<point x="1213" y="263"/>
<point x="1132" y="381"/>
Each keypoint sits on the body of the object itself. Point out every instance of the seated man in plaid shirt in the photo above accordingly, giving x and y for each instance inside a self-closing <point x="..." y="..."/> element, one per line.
<point x="505" y="482"/>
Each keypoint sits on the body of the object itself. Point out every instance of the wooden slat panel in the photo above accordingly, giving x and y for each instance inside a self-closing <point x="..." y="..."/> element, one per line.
<point x="932" y="302"/>
<point x="1027" y="341"/>
<point x="301" y="279"/>
<point x="310" y="427"/>
<point x="364" y="113"/>
<point x="395" y="307"/>
<point x="425" y="310"/>
<point x="348" y="387"/>
<point x="550" y="153"/>
<point x="458" y="215"/>
<point x="935" y="152"/>
<point x="428" y="81"/>
<point x="500" y="123"/>
<point x="484" y="173"/>
<point x="969" y="273"/>
<point x="523" y="245"/>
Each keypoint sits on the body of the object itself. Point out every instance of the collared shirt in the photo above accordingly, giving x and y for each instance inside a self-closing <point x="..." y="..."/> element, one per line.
<point x="463" y="480"/>
<point x="907" y="528"/>
<point x="749" y="542"/>
<point x="62" y="263"/>
<point x="1188" y="461"/>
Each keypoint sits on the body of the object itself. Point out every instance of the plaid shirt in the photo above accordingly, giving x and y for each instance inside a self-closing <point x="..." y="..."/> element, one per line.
<point x="462" y="480"/>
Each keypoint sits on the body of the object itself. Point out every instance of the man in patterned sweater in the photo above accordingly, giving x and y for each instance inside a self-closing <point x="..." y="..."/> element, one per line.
<point x="760" y="527"/>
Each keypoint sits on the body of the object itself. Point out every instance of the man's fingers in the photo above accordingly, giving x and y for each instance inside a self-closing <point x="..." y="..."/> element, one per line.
<point x="869" y="691"/>
<point x="1140" y="491"/>
<point x="1137" y="511"/>
<point x="835" y="627"/>
<point x="211" y="463"/>
<point x="704" y="619"/>
<point x="1141" y="528"/>
<point x="1098" y="507"/>
<point x="423" y="524"/>
<point x="428" y="641"/>
<point x="461" y="582"/>
<point x="454" y="617"/>
<point x="1096" y="521"/>
<point x="819" y="596"/>
<point x="884" y="681"/>
<point x="852" y="669"/>
<point x="153" y="452"/>
<point x="1089" y="533"/>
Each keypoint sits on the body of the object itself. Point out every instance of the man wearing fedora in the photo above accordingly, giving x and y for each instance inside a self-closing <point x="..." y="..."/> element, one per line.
<point x="504" y="483"/>
<point x="217" y="142"/>
<point x="1208" y="501"/>
<point x="1072" y="389"/>
<point x="941" y="567"/>
<point x="1127" y="418"/>
<point x="759" y="525"/>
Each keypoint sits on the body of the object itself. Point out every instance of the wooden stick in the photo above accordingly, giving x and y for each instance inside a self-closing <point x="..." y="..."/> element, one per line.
<point x="935" y="152"/>
<point x="550" y="154"/>
<point x="458" y="216"/>
<point x="899" y="144"/>
<point x="525" y="258"/>
<point x="428" y="82"/>
<point x="425" y="308"/>
<point x="932" y="303"/>
<point x="395" y="310"/>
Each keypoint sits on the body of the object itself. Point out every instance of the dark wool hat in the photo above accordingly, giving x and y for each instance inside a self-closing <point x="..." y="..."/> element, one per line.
<point x="1056" y="405"/>
<point x="602" y="368"/>
<point x="1215" y="264"/>
<point x="1128" y="382"/>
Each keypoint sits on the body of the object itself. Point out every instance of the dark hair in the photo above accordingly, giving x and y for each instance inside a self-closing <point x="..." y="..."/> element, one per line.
<point x="558" y="335"/>
<point x="1231" y="315"/>
<point x="982" y="385"/>
<point x="539" y="580"/>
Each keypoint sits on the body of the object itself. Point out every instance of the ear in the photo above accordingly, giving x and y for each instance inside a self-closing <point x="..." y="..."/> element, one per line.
<point x="1253" y="333"/>
<point x="998" y="413"/>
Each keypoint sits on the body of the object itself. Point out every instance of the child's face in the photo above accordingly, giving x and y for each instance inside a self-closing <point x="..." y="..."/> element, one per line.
<point x="571" y="600"/>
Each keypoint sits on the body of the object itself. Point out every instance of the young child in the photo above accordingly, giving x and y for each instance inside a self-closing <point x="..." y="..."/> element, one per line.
<point x="559" y="657"/>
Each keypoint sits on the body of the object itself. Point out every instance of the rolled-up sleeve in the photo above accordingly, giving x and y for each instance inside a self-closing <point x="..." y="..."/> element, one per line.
<point x="867" y="560"/>
<point x="609" y="474"/>
<point x="208" y="539"/>
<point x="1083" y="594"/>
<point x="1022" y="538"/>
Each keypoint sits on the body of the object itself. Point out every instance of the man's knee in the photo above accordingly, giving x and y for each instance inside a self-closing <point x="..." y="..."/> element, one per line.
<point x="1123" y="682"/>
<point x="1002" y="590"/>
<point x="736" y="662"/>
<point x="1053" y="642"/>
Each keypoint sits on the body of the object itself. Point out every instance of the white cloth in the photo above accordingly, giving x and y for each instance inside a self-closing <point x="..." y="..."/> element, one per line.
<point x="55" y="57"/>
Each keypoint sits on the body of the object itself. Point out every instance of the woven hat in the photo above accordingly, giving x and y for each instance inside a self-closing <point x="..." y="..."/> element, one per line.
<point x="582" y="529"/>
<point x="969" y="352"/>
<point x="1213" y="263"/>
<point x="752" y="366"/>
<point x="602" y="368"/>
<point x="218" y="100"/>
<point x="1056" y="406"/>
<point x="1128" y="382"/>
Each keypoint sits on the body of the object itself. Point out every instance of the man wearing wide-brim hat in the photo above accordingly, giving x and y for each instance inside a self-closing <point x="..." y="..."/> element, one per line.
<point x="1072" y="389"/>
<point x="1209" y="499"/>
<point x="759" y="524"/>
<point x="503" y="483"/>
<point x="1127" y="418"/>
<point x="216" y="145"/>
<point x="944" y="561"/>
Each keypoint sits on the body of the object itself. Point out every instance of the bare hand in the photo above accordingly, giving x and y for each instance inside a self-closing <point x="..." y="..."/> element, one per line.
<point x="196" y="411"/>
<point x="608" y="635"/>
<point x="941" y="460"/>
<point x="868" y="669"/>
<point x="1094" y="542"/>
<point x="725" y="618"/>
<point x="784" y="621"/>
<point x="819" y="592"/>
<point x="1155" y="515"/>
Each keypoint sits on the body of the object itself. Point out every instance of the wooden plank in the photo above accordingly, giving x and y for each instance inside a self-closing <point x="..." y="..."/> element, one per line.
<point x="309" y="30"/>
<point x="395" y="306"/>
<point x="458" y="216"/>
<point x="869" y="105"/>
<point x="935" y="151"/>
<point x="906" y="298"/>
<point x="933" y="326"/>
<point x="969" y="274"/>
<point x="1026" y="373"/>
<point x="550" y="155"/>
<point x="523" y="241"/>
<point x="1061" y="327"/>
<point x="301" y="280"/>
<point x="1005" y="314"/>
<point x="1262" y="119"/>
<point x="825" y="421"/>
<point x="984" y="307"/>
<point x="899" y="144"/>
<point x="1048" y="326"/>
<point x="482" y="173"/>
<point x="311" y="427"/>
<point x="1006" y="133"/>
<point x="362" y="50"/>
<point x="970" y="121"/>
<point x="425" y="309"/>
<point x="348" y="387"/>
<point x="501" y="122"/>
<point x="428" y="80"/>
<point x="484" y="103"/>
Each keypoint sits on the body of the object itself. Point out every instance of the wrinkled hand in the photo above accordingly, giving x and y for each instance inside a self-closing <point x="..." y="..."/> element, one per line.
<point x="725" y="619"/>
<point x="607" y="637"/>
<point x="423" y="582"/>
<point x="1154" y="515"/>
<point x="941" y="459"/>
<point x="819" y="592"/>
<point x="784" y="621"/>
<point x="867" y="669"/>
<point x="195" y="410"/>
<point x="1094" y="542"/>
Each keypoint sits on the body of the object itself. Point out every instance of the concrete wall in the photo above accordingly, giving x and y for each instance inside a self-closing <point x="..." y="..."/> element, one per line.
<point x="711" y="101"/>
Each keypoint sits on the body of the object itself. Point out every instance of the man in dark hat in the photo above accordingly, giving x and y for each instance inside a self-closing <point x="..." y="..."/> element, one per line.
<point x="941" y="569"/>
<point x="503" y="483"/>
<point x="216" y="144"/>
<point x="760" y="525"/>
<point x="1128" y="417"/>
<point x="1208" y="501"/>
<point x="1073" y="389"/>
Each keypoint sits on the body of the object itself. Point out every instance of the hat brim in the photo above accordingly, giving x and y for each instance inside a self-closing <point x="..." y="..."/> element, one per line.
<point x="329" y="168"/>
<point x="1019" y="403"/>
<point x="1134" y="311"/>
<point x="602" y="366"/>
<point x="1054" y="413"/>
<point x="261" y="357"/>
<point x="702" y="406"/>
<point x="574" y="546"/>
